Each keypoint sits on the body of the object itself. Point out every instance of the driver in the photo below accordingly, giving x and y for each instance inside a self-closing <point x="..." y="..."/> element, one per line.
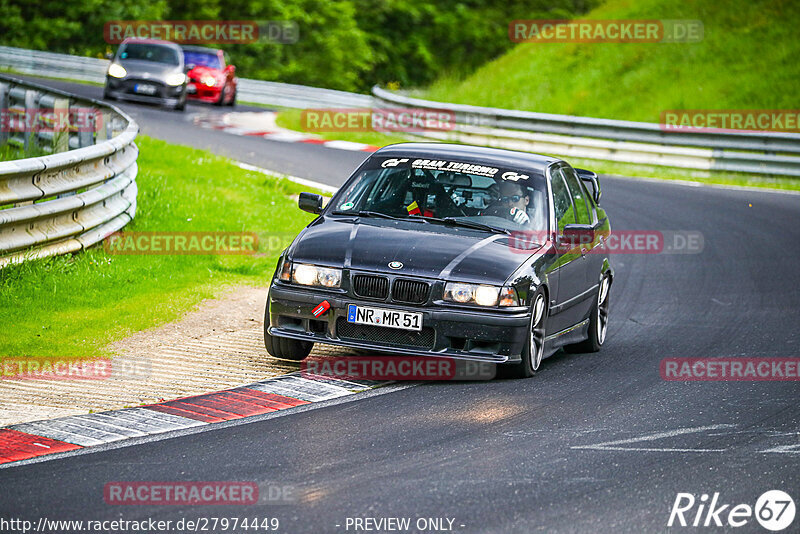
<point x="510" y="201"/>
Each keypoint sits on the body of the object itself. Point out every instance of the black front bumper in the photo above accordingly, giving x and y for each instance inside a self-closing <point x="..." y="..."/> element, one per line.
<point x="125" y="88"/>
<point x="469" y="334"/>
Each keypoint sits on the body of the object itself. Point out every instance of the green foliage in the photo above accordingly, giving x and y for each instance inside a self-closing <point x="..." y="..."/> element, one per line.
<point x="344" y="44"/>
<point x="745" y="61"/>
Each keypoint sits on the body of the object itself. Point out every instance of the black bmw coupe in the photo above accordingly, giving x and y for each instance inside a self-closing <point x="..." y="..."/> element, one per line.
<point x="448" y="251"/>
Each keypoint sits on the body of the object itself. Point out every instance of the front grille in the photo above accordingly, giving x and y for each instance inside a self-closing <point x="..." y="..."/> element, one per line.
<point x="385" y="336"/>
<point x="412" y="291"/>
<point x="371" y="287"/>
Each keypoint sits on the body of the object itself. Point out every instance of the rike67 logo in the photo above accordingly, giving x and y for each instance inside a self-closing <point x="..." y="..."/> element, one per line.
<point x="774" y="510"/>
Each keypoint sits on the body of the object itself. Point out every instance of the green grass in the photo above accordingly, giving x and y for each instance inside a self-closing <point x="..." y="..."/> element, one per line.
<point x="291" y="119"/>
<point x="75" y="305"/>
<point x="9" y="152"/>
<point x="747" y="60"/>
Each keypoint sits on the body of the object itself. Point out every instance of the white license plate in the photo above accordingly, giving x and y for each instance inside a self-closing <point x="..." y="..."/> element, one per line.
<point x="383" y="317"/>
<point x="145" y="89"/>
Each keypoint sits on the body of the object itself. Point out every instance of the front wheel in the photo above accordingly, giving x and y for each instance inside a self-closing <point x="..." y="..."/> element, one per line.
<point x="286" y="349"/>
<point x="222" y="94"/>
<point x="533" y="352"/>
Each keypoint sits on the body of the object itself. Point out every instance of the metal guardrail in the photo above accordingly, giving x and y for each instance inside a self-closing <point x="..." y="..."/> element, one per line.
<point x="254" y="91"/>
<point x="623" y="141"/>
<point x="65" y="201"/>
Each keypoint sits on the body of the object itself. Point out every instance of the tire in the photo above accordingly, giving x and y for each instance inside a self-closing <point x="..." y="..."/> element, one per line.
<point x="221" y="101"/>
<point x="181" y="106"/>
<point x="232" y="103"/>
<point x="107" y="95"/>
<point x="284" y="348"/>
<point x="533" y="351"/>
<point x="598" y="321"/>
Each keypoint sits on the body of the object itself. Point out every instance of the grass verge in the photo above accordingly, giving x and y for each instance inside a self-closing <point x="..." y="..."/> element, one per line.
<point x="75" y="305"/>
<point x="744" y="61"/>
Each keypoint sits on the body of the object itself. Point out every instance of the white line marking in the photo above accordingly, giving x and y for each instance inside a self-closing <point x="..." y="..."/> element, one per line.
<point x="613" y="445"/>
<point x="784" y="449"/>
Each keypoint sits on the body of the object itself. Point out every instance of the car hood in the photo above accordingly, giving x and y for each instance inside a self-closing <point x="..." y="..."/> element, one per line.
<point x="199" y="71"/>
<point x="136" y="67"/>
<point x="426" y="250"/>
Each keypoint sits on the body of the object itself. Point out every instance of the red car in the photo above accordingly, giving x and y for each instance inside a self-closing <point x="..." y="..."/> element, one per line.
<point x="211" y="78"/>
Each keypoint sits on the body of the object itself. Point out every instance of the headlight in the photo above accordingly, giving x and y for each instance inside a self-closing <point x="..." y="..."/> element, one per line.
<point x="176" y="78"/>
<point x="482" y="295"/>
<point x="311" y="275"/>
<point x="116" y="70"/>
<point x="209" y="80"/>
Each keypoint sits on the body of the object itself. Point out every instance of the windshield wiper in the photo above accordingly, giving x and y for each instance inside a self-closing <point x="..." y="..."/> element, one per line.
<point x="366" y="213"/>
<point x="452" y="221"/>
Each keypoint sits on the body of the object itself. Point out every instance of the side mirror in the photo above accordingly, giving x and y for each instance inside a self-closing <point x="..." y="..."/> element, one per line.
<point x="310" y="202"/>
<point x="576" y="235"/>
<point x="591" y="177"/>
<point x="188" y="67"/>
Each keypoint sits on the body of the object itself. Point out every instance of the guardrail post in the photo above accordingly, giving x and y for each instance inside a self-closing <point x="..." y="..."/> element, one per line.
<point x="101" y="125"/>
<point x="86" y="126"/>
<point x="4" y="115"/>
<point x="61" y="119"/>
<point x="31" y="98"/>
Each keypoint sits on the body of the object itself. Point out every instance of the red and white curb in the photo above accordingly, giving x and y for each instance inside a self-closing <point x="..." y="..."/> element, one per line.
<point x="40" y="438"/>
<point x="262" y="124"/>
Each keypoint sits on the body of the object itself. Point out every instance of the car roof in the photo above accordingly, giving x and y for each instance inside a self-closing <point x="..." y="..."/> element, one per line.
<point x="190" y="48"/>
<point x="136" y="40"/>
<point x="478" y="154"/>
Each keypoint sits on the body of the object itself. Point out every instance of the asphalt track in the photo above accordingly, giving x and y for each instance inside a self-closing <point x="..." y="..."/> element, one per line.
<point x="593" y="443"/>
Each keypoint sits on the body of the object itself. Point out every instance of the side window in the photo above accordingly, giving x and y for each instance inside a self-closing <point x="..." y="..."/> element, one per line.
<point x="579" y="196"/>
<point x="562" y="204"/>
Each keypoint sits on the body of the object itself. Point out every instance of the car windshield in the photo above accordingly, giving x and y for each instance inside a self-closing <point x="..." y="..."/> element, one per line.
<point x="150" y="52"/>
<point x="457" y="191"/>
<point x="199" y="58"/>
